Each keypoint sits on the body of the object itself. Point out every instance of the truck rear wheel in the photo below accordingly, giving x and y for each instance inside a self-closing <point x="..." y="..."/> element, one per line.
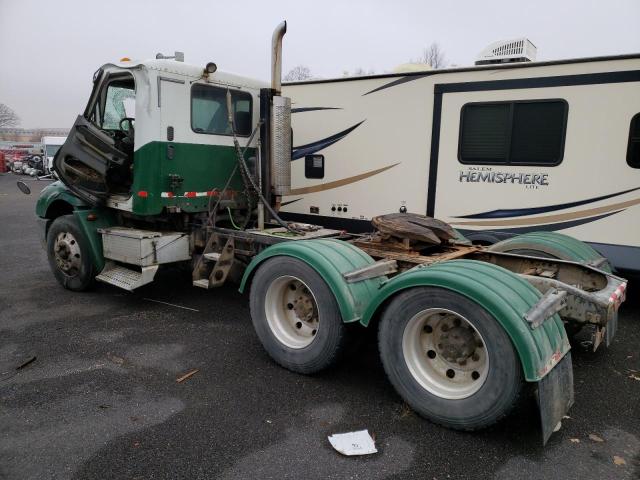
<point x="449" y="359"/>
<point x="296" y="316"/>
<point x="68" y="254"/>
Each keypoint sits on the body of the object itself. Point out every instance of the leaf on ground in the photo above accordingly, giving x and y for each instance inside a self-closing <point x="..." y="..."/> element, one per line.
<point x="115" y="359"/>
<point x="619" y="460"/>
<point x="635" y="377"/>
<point x="574" y="440"/>
<point x="595" y="437"/>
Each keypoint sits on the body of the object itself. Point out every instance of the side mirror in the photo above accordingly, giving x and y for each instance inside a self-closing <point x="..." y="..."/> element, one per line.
<point x="24" y="188"/>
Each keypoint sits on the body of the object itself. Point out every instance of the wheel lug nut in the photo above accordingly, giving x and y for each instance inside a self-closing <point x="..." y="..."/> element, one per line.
<point x="475" y="357"/>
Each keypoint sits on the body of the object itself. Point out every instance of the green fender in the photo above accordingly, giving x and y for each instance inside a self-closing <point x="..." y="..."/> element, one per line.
<point x="54" y="192"/>
<point x="330" y="258"/>
<point x="503" y="294"/>
<point x="101" y="218"/>
<point x="558" y="245"/>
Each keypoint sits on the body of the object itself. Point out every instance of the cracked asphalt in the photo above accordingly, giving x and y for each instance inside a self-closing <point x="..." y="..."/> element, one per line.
<point x="101" y="401"/>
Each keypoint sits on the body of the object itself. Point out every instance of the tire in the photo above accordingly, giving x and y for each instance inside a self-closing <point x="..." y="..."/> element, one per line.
<point x="480" y="392"/>
<point x="307" y="338"/>
<point x="68" y="253"/>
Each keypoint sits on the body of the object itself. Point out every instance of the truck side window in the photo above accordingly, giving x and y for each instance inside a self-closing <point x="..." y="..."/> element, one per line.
<point x="513" y="133"/>
<point x="633" y="149"/>
<point x="209" y="111"/>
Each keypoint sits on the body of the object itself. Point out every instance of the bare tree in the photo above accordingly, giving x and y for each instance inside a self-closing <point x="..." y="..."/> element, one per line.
<point x="297" y="73"/>
<point x="358" y="72"/>
<point x="8" y="118"/>
<point x="434" y="56"/>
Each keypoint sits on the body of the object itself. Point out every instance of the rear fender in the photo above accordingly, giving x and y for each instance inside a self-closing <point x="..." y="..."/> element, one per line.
<point x="330" y="259"/>
<point x="503" y="294"/>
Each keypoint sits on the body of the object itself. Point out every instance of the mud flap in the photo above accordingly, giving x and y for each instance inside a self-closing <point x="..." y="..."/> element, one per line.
<point x="555" y="396"/>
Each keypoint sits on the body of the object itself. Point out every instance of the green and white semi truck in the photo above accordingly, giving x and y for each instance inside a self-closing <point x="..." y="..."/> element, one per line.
<point x="181" y="164"/>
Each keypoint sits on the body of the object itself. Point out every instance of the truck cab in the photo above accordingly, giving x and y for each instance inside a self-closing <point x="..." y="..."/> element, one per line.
<point x="155" y="137"/>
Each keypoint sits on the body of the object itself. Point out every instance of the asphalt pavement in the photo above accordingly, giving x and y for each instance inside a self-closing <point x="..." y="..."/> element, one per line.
<point x="99" y="400"/>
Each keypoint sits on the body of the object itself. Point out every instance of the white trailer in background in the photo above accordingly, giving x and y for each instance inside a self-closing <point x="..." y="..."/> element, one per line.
<point x="50" y="145"/>
<point x="494" y="150"/>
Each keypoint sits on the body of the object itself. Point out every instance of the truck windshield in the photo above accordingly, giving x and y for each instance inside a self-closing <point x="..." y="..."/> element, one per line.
<point x="118" y="95"/>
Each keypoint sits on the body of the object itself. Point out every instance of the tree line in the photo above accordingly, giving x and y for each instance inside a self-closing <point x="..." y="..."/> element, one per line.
<point x="433" y="55"/>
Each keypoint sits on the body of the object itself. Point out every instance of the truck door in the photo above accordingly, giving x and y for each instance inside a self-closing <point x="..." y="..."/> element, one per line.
<point x="94" y="162"/>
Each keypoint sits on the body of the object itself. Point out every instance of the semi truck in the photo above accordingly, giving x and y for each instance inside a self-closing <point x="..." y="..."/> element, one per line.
<point x="177" y="164"/>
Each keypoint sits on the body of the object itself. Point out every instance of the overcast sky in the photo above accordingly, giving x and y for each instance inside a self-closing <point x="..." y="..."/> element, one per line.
<point x="50" y="49"/>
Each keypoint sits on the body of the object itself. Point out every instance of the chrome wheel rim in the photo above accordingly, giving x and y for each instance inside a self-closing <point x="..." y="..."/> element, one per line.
<point x="445" y="353"/>
<point x="292" y="312"/>
<point x="66" y="251"/>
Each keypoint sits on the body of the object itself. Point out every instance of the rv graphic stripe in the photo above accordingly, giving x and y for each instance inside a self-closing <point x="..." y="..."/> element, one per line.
<point x="521" y="212"/>
<point x="517" y="222"/>
<point x="339" y="183"/>
<point x="312" y="109"/>
<point x="553" y="227"/>
<point x="310" y="148"/>
<point x="397" y="82"/>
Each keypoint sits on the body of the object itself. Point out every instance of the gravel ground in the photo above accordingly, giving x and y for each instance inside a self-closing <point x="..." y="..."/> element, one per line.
<point x="101" y="400"/>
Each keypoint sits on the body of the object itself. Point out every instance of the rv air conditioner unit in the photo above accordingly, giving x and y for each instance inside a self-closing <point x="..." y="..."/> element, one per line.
<point x="508" y="51"/>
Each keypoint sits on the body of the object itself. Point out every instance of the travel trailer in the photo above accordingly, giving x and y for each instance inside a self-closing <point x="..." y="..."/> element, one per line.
<point x="494" y="150"/>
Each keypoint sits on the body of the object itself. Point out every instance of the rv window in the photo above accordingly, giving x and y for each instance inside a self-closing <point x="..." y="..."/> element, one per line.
<point x="519" y="133"/>
<point x="209" y="111"/>
<point x="633" y="149"/>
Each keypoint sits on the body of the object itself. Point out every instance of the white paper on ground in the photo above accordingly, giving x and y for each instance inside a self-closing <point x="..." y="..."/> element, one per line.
<point x="353" y="443"/>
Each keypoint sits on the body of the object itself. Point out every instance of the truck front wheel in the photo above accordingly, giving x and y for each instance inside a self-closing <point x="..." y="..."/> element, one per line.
<point x="296" y="316"/>
<point x="449" y="359"/>
<point x="68" y="254"/>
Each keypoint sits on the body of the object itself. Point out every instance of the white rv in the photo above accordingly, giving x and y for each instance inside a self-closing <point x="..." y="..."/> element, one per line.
<point x="50" y="145"/>
<point x="494" y="150"/>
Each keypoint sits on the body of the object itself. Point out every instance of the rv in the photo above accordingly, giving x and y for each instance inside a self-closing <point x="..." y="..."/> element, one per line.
<point x="494" y="150"/>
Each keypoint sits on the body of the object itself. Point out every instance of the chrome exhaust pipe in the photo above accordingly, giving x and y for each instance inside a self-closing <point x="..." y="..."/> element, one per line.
<point x="276" y="57"/>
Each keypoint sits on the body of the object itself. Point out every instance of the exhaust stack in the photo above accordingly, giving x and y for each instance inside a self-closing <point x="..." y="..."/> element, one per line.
<point x="280" y="122"/>
<point x="276" y="57"/>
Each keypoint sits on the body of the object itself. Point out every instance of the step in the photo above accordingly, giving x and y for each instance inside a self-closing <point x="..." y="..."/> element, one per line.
<point x="125" y="278"/>
<point x="212" y="256"/>
<point x="202" y="283"/>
